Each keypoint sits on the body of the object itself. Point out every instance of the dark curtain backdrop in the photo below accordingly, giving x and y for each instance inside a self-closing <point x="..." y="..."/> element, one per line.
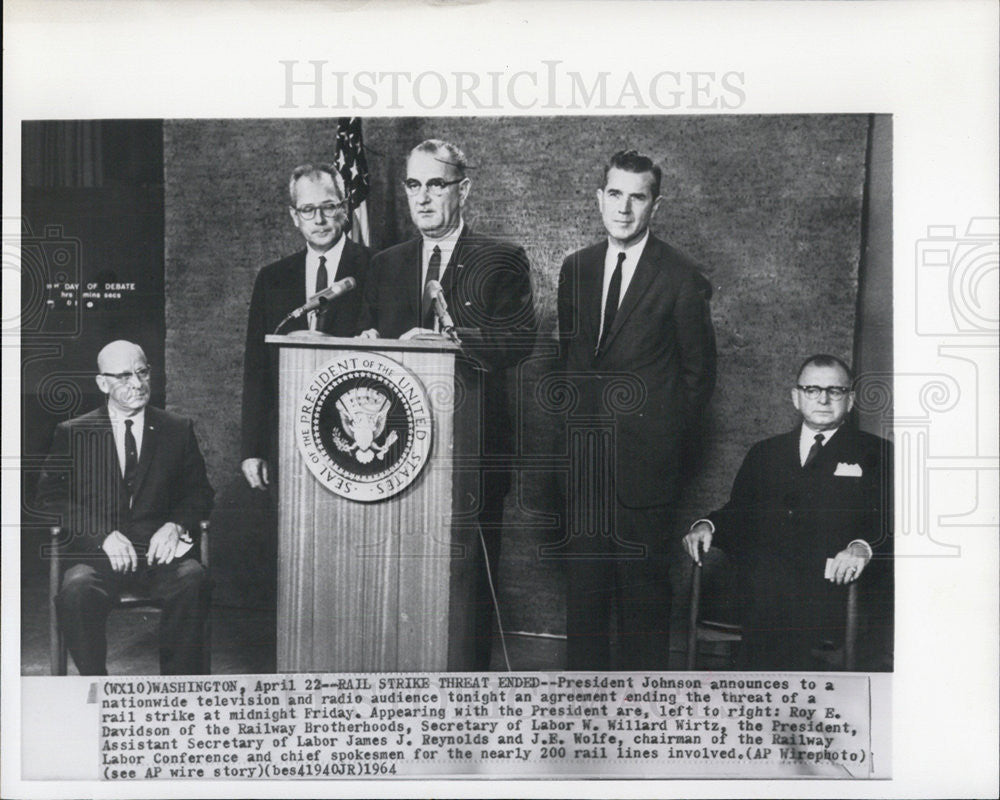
<point x="91" y="214"/>
<point x="771" y="206"/>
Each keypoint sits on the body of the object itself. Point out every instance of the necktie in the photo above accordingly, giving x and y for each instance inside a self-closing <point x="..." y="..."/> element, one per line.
<point x="611" y="304"/>
<point x="814" y="450"/>
<point x="131" y="458"/>
<point x="322" y="281"/>
<point x="433" y="274"/>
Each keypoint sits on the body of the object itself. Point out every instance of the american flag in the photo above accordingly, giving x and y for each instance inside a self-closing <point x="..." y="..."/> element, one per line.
<point x="353" y="168"/>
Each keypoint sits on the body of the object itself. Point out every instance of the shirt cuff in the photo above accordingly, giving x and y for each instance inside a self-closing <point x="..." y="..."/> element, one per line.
<point x="709" y="523"/>
<point x="865" y="545"/>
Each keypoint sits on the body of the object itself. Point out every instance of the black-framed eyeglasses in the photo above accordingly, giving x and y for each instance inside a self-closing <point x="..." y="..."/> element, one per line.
<point x="833" y="392"/>
<point x="328" y="209"/>
<point x="435" y="186"/>
<point x="142" y="374"/>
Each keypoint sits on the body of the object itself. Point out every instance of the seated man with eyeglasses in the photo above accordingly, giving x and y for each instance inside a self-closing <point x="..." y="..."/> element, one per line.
<point x="320" y="211"/>
<point x="128" y="484"/>
<point x="807" y="511"/>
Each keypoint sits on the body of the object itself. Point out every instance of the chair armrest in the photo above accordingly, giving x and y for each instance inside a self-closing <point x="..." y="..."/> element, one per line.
<point x="204" y="525"/>
<point x="692" y="643"/>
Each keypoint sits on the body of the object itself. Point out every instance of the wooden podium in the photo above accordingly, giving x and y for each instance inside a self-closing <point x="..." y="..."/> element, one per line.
<point x="375" y="574"/>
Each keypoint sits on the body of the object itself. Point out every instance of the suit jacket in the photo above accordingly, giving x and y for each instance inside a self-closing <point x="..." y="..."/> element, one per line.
<point x="487" y="285"/>
<point x="783" y="520"/>
<point x="278" y="290"/>
<point x="656" y="370"/>
<point x="82" y="480"/>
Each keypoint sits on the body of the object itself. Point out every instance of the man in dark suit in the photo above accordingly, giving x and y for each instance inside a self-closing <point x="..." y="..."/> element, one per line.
<point x="636" y="339"/>
<point x="320" y="212"/>
<point x="129" y="484"/>
<point x="487" y="287"/>
<point x="807" y="510"/>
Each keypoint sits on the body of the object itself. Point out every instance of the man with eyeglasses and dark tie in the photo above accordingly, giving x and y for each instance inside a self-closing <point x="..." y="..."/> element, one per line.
<point x="128" y="484"/>
<point x="319" y="210"/>
<point x="807" y="511"/>
<point x="486" y="285"/>
<point x="636" y="339"/>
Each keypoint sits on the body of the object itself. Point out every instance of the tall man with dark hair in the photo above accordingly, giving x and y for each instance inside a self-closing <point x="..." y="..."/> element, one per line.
<point x="807" y="510"/>
<point x="487" y="286"/>
<point x="128" y="483"/>
<point x="633" y="313"/>
<point x="319" y="210"/>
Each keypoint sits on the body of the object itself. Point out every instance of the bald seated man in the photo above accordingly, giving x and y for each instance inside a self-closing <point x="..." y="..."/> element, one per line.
<point x="128" y="483"/>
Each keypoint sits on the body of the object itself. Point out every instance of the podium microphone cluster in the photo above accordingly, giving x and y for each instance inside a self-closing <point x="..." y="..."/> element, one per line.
<point x="436" y="294"/>
<point x="320" y="299"/>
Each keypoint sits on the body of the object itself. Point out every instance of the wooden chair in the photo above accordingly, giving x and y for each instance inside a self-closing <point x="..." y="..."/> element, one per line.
<point x="701" y="630"/>
<point x="128" y="600"/>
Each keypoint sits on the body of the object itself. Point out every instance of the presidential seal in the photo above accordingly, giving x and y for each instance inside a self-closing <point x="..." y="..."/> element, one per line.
<point x="364" y="426"/>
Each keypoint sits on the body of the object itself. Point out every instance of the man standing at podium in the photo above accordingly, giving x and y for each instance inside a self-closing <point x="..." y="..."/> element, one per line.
<point x="486" y="286"/>
<point x="319" y="210"/>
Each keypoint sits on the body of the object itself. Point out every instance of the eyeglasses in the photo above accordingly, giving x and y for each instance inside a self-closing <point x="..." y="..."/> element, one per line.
<point x="142" y="374"/>
<point x="833" y="392"/>
<point x="328" y="209"/>
<point x="435" y="186"/>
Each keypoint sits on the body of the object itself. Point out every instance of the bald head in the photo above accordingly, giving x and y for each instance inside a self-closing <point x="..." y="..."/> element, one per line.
<point x="116" y="351"/>
<point x="123" y="375"/>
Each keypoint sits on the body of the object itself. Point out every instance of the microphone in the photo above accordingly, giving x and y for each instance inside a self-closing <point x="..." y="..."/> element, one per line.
<point x="319" y="299"/>
<point x="436" y="294"/>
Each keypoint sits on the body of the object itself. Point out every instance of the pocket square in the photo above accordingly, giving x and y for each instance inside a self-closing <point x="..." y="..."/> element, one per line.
<point x="848" y="470"/>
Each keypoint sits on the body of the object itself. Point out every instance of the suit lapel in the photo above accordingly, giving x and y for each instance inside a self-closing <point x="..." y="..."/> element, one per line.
<point x="346" y="268"/>
<point x="150" y="437"/>
<point x="463" y="247"/>
<point x="790" y="461"/>
<point x="833" y="451"/>
<point x="591" y="288"/>
<point x="110" y="450"/>
<point x="645" y="271"/>
<point x="411" y="276"/>
<point x="290" y="289"/>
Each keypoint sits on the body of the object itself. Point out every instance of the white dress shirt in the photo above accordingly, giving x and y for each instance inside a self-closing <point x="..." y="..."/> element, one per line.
<point x="632" y="254"/>
<point x="807" y="438"/>
<point x="332" y="257"/>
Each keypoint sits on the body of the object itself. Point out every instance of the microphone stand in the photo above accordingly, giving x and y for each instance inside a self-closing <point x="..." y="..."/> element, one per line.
<point x="323" y="303"/>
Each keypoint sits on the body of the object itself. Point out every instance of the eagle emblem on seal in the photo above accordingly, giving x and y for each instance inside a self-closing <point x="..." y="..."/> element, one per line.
<point x="363" y="412"/>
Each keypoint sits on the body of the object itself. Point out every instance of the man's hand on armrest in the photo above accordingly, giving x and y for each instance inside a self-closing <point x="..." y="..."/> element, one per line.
<point x="849" y="563"/>
<point x="699" y="539"/>
<point x="168" y="543"/>
<point x="120" y="552"/>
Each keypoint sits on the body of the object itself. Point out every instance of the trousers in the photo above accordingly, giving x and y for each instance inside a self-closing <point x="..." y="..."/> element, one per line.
<point x="90" y="590"/>
<point x="627" y="569"/>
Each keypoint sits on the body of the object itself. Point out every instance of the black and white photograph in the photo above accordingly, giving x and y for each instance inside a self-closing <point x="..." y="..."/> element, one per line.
<point x="543" y="487"/>
<point x="535" y="420"/>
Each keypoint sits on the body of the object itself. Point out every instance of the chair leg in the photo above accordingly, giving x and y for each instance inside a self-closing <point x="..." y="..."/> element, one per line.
<point x="206" y="650"/>
<point x="57" y="647"/>
<point x="207" y="633"/>
<point x="851" y="628"/>
<point x="692" y="643"/>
